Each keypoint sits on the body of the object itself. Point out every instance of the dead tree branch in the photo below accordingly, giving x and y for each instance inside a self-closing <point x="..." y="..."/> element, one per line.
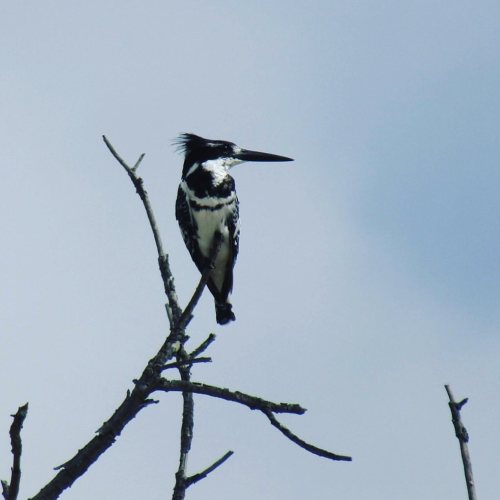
<point x="463" y="438"/>
<point x="11" y="490"/>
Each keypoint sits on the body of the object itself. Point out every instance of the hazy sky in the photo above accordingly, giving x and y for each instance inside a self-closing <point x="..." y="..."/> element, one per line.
<point x="369" y="268"/>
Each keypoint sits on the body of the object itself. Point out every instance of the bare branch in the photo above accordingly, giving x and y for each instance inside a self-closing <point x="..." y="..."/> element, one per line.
<point x="303" y="444"/>
<point x="168" y="280"/>
<point x="203" y="474"/>
<point x="10" y="491"/>
<point x="463" y="438"/>
<point x="173" y="308"/>
<point x="252" y="402"/>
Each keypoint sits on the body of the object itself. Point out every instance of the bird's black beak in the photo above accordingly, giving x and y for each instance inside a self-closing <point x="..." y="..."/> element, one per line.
<point x="247" y="155"/>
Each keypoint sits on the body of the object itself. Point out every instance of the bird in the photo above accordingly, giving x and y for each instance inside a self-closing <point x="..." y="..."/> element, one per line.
<point x="207" y="206"/>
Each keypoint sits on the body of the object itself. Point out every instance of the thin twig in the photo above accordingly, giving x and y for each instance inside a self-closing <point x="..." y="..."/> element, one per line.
<point x="138" y="162"/>
<point x="463" y="439"/>
<point x="122" y="162"/>
<point x="10" y="491"/>
<point x="303" y="444"/>
<point x="187" y="362"/>
<point x="203" y="474"/>
<point x="202" y="347"/>
<point x="252" y="402"/>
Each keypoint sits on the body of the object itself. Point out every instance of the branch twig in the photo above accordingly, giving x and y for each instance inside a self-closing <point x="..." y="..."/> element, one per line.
<point x="463" y="439"/>
<point x="203" y="474"/>
<point x="202" y="347"/>
<point x="10" y="491"/>
<point x="303" y="444"/>
<point x="187" y="362"/>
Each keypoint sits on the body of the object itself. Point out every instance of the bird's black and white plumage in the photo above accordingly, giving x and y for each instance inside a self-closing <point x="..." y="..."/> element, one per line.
<point x="207" y="204"/>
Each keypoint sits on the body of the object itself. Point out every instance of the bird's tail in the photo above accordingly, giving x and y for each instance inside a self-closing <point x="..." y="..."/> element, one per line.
<point x="224" y="312"/>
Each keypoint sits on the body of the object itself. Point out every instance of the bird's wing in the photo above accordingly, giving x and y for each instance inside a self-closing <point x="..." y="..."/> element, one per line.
<point x="233" y="225"/>
<point x="188" y="227"/>
<point x="234" y="229"/>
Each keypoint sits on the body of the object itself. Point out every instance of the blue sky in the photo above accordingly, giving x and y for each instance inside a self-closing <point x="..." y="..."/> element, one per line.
<point x="368" y="272"/>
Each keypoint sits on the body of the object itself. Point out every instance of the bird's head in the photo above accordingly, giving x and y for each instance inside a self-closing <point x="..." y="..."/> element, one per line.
<point x="198" y="150"/>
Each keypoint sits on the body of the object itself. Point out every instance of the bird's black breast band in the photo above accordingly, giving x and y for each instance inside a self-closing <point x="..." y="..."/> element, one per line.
<point x="197" y="206"/>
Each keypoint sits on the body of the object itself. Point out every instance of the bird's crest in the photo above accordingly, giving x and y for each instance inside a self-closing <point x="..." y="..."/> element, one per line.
<point x="187" y="142"/>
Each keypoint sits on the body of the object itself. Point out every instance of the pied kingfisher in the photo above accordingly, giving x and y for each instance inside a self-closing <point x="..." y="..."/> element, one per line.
<point x="207" y="204"/>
